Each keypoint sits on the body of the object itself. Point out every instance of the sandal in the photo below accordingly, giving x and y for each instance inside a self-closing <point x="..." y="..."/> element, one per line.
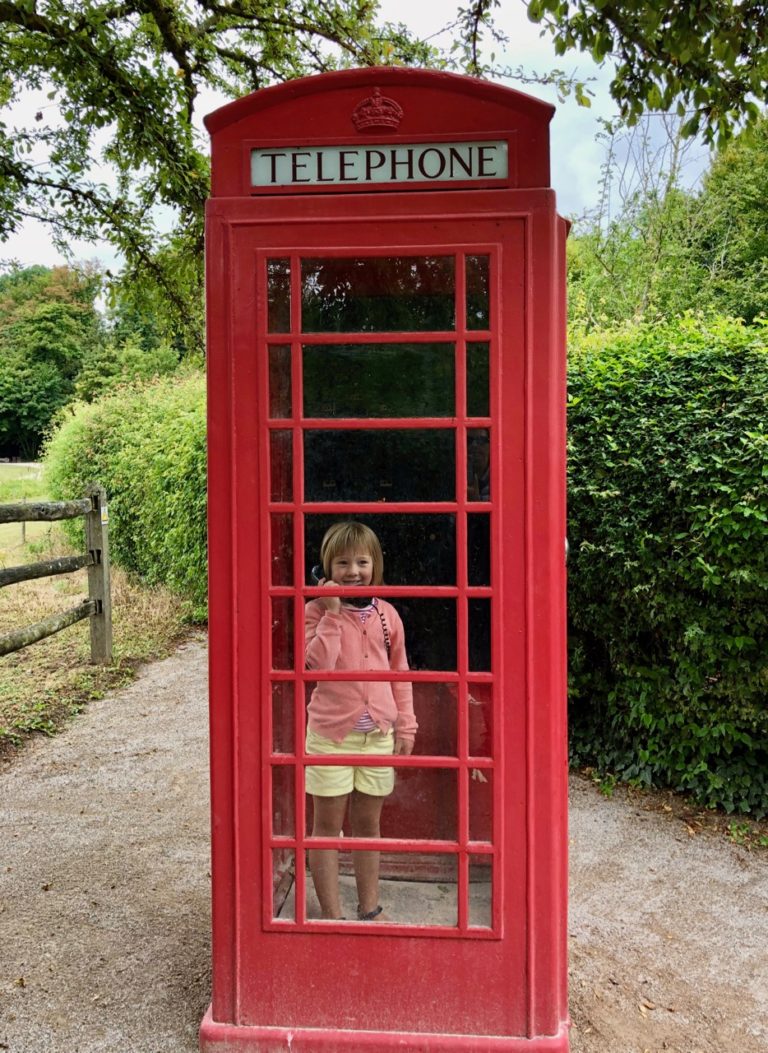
<point x="371" y="915"/>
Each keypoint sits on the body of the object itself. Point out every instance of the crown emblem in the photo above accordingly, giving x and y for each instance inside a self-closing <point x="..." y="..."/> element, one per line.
<point x="377" y="111"/>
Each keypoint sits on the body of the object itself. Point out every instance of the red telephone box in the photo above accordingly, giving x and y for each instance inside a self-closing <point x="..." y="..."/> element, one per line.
<point x="386" y="305"/>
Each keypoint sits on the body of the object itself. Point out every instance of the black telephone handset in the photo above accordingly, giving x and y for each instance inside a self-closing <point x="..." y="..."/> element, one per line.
<point x="318" y="575"/>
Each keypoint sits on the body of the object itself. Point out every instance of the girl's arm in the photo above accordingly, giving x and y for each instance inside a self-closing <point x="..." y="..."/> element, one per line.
<point x="405" y="724"/>
<point x="322" y="636"/>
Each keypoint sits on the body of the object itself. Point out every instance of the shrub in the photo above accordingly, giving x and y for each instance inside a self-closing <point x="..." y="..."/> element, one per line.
<point x="147" y="446"/>
<point x="668" y="578"/>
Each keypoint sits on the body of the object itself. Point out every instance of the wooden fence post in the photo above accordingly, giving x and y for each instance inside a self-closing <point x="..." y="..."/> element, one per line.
<point x="97" y="544"/>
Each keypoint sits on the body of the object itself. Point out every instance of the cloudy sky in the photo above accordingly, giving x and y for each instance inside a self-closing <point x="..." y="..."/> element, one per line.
<point x="576" y="155"/>
<point x="576" y="152"/>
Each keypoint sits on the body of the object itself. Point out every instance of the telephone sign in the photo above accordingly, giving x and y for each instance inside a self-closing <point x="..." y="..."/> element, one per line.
<point x="387" y="584"/>
<point x="404" y="163"/>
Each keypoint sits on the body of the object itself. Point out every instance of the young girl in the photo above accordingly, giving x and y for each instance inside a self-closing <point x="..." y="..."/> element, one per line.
<point x="374" y="717"/>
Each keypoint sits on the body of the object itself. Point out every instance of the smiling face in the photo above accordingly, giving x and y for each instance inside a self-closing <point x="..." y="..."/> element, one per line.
<point x="349" y="540"/>
<point x="352" y="567"/>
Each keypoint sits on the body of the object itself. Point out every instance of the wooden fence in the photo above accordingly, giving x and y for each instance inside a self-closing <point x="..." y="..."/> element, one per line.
<point x="98" y="606"/>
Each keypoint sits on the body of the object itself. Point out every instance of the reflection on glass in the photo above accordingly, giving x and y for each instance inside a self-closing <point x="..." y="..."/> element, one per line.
<point x="278" y="296"/>
<point x="409" y="892"/>
<point x="282" y="632"/>
<point x="478" y="464"/>
<point x="368" y="380"/>
<point x="281" y="465"/>
<point x="478" y="380"/>
<point x="481" y="804"/>
<point x="387" y="465"/>
<point x="480" y="716"/>
<point x="480" y="891"/>
<point x="283" y="804"/>
<point x="478" y="313"/>
<point x="282" y="717"/>
<point x="419" y="549"/>
<point x="282" y="548"/>
<point x="479" y="635"/>
<point x="283" y="878"/>
<point x="479" y="548"/>
<point x="279" y="380"/>
<point x="378" y="294"/>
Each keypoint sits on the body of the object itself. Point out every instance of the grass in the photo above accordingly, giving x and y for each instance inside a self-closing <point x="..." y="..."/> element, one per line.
<point x="20" y="482"/>
<point x="44" y="685"/>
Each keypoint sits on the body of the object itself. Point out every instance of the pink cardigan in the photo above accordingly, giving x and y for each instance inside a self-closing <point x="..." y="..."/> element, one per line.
<point x="341" y="641"/>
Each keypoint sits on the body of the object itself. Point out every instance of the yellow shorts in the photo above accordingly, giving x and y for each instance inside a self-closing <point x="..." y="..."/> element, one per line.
<point x="333" y="780"/>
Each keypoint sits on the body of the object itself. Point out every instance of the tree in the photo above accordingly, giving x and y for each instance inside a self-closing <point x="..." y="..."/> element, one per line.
<point x="653" y="248"/>
<point x="636" y="254"/>
<point x="48" y="327"/>
<point x="732" y="218"/>
<point x="124" y="84"/>
<point x="127" y="362"/>
<point x="706" y="57"/>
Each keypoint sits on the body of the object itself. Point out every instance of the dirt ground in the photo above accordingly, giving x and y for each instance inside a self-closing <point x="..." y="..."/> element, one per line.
<point x="104" y="896"/>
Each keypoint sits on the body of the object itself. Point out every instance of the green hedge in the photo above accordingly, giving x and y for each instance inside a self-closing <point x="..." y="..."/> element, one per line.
<point x="668" y="576"/>
<point x="147" y="446"/>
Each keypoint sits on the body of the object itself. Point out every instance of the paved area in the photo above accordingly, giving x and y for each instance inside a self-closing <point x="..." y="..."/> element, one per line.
<point x="104" y="897"/>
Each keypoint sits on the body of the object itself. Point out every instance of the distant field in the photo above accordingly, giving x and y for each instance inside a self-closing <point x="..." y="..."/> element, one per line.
<point x="20" y="482"/>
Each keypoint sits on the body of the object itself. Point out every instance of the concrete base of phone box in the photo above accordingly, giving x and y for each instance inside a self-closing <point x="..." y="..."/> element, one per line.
<point x="217" y="1037"/>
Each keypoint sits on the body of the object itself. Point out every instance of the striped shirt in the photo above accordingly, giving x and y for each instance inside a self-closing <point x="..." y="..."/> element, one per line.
<point x="365" y="722"/>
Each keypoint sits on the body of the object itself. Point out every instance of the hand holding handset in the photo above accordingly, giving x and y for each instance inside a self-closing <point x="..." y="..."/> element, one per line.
<point x="318" y="578"/>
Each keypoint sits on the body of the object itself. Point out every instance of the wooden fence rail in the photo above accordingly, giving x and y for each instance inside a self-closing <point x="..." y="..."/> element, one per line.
<point x="98" y="606"/>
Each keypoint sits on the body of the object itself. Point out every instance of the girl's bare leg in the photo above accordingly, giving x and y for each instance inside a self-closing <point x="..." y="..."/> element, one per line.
<point x="324" y="862"/>
<point x="364" y="817"/>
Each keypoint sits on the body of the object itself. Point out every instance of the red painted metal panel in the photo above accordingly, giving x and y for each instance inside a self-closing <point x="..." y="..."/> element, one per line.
<point x="436" y="106"/>
<point x="312" y="984"/>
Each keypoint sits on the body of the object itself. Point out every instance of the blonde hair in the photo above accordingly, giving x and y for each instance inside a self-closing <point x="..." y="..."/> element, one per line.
<point x="349" y="536"/>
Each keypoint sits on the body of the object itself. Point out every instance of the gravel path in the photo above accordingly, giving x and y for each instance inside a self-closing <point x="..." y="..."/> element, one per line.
<point x="104" y="897"/>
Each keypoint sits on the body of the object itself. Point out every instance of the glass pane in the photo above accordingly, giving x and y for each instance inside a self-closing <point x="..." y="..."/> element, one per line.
<point x="430" y="632"/>
<point x="478" y="380"/>
<point x="418" y="803"/>
<point x="282" y="632"/>
<point x="480" y="635"/>
<point x="428" y="627"/>
<point x="417" y="549"/>
<point x="278" y="296"/>
<point x="481" y="804"/>
<point x="479" y="549"/>
<point x="480" y="715"/>
<point x="386" y="294"/>
<point x="361" y="380"/>
<point x="388" y="465"/>
<point x="478" y="313"/>
<point x="435" y="709"/>
<point x="283" y="877"/>
<point x="481" y="891"/>
<point x="413" y="889"/>
<point x="282" y="548"/>
<point x="281" y="465"/>
<point x="434" y="706"/>
<point x="283" y="800"/>
<point x="282" y="717"/>
<point x="478" y="464"/>
<point x="279" y="380"/>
